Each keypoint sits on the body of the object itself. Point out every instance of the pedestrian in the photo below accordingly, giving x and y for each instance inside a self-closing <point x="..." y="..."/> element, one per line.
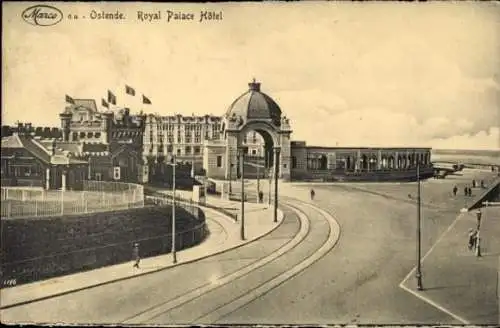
<point x="472" y="239"/>
<point x="470" y="191"/>
<point x="261" y="196"/>
<point x="482" y="184"/>
<point x="473" y="183"/>
<point x="455" y="189"/>
<point x="312" y="194"/>
<point x="136" y="256"/>
<point x="466" y="191"/>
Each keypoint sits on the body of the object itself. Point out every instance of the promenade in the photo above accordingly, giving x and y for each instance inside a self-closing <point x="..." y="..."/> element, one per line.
<point x="224" y="235"/>
<point x="455" y="281"/>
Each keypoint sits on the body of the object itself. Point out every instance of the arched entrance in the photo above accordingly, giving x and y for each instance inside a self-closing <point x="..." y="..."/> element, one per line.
<point x="252" y="111"/>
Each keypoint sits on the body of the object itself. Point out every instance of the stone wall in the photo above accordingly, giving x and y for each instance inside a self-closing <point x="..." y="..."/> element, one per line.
<point x="41" y="248"/>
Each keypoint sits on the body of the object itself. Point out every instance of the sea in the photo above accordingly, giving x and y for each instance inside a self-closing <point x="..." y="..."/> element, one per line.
<point x="477" y="157"/>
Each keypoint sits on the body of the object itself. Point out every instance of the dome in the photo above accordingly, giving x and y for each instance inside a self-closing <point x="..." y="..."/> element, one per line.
<point x="255" y="104"/>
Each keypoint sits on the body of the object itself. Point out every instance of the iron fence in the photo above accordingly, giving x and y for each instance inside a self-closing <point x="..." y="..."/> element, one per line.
<point x="187" y="203"/>
<point x="96" y="196"/>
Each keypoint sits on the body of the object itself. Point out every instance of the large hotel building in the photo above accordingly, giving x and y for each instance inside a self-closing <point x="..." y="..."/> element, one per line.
<point x="117" y="145"/>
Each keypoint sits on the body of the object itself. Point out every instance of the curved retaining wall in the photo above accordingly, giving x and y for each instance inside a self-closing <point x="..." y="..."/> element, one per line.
<point x="40" y="248"/>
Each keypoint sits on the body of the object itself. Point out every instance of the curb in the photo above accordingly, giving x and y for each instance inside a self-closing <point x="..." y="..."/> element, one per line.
<point x="280" y="214"/>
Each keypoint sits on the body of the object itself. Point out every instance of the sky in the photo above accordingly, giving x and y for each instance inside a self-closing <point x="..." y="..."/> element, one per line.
<point x="346" y="74"/>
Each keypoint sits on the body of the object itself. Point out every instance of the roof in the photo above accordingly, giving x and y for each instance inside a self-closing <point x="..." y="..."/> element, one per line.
<point x="42" y="149"/>
<point x="87" y="103"/>
<point x="255" y="104"/>
<point x="12" y="141"/>
<point x="95" y="147"/>
<point x="72" y="147"/>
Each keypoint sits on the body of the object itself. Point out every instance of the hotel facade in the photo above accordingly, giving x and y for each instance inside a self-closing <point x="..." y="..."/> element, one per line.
<point x="121" y="146"/>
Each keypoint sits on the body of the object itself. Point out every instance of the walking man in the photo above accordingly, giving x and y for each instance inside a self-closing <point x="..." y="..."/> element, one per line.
<point x="466" y="191"/>
<point x="312" y="194"/>
<point x="472" y="239"/>
<point x="455" y="189"/>
<point x="135" y="255"/>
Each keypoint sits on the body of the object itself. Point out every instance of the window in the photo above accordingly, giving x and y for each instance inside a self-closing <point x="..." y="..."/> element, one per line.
<point x="98" y="176"/>
<point x="254" y="152"/>
<point x="82" y="134"/>
<point x="178" y="152"/>
<point x="294" y="162"/>
<point x="90" y="135"/>
<point x="188" y="150"/>
<point x="169" y="148"/>
<point x="219" y="161"/>
<point x="197" y="150"/>
<point x="98" y="134"/>
<point x="75" y="136"/>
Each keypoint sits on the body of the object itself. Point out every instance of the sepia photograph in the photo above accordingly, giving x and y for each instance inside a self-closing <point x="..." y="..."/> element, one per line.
<point x="275" y="163"/>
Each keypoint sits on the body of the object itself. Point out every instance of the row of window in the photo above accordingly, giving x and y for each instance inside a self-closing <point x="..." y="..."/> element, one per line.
<point x="188" y="150"/>
<point x="86" y="135"/>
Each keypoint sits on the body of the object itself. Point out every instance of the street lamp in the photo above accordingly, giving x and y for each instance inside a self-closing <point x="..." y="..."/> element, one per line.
<point x="230" y="179"/>
<point x="270" y="178"/>
<point x="478" y="239"/>
<point x="242" y="164"/>
<point x="173" y="164"/>
<point x="276" y="175"/>
<point x="419" y="271"/>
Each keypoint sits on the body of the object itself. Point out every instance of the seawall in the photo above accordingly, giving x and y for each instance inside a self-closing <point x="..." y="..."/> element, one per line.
<point x="44" y="247"/>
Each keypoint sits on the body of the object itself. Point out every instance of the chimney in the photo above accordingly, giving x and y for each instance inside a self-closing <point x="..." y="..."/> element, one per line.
<point x="54" y="147"/>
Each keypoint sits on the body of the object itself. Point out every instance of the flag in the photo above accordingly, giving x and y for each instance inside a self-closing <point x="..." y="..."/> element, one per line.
<point x="70" y="100"/>
<point x="111" y="98"/>
<point x="129" y="90"/>
<point x="145" y="100"/>
<point x="104" y="103"/>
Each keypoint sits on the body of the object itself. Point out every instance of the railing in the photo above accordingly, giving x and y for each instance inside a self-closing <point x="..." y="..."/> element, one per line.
<point x="97" y="196"/>
<point x="188" y="204"/>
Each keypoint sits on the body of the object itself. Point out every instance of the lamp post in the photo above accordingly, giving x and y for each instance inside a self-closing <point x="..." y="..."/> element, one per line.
<point x="242" y="165"/>
<point x="258" y="175"/>
<point x="418" y="274"/>
<point x="276" y="174"/>
<point x="174" y="255"/>
<point x="478" y="238"/>
<point x="270" y="176"/>
<point x="230" y="179"/>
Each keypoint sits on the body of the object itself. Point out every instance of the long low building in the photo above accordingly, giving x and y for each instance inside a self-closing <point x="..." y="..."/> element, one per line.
<point x="364" y="163"/>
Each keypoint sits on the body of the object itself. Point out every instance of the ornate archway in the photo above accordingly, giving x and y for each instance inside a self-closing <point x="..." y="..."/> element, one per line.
<point x="256" y="111"/>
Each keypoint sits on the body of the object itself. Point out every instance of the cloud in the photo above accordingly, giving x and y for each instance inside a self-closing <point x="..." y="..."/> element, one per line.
<point x="483" y="140"/>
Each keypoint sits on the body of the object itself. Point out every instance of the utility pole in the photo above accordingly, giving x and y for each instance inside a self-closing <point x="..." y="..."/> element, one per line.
<point x="478" y="238"/>
<point x="270" y="170"/>
<point x="258" y="175"/>
<point x="419" y="270"/>
<point x="174" y="255"/>
<point x="242" y="165"/>
<point x="230" y="179"/>
<point x="276" y="175"/>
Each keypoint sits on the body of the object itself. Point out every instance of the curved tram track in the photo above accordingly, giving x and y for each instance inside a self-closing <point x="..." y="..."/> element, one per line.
<point x="228" y="293"/>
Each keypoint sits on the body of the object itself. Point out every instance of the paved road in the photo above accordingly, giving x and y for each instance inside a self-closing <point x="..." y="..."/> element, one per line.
<point x="122" y="301"/>
<point x="355" y="282"/>
<point x="358" y="281"/>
